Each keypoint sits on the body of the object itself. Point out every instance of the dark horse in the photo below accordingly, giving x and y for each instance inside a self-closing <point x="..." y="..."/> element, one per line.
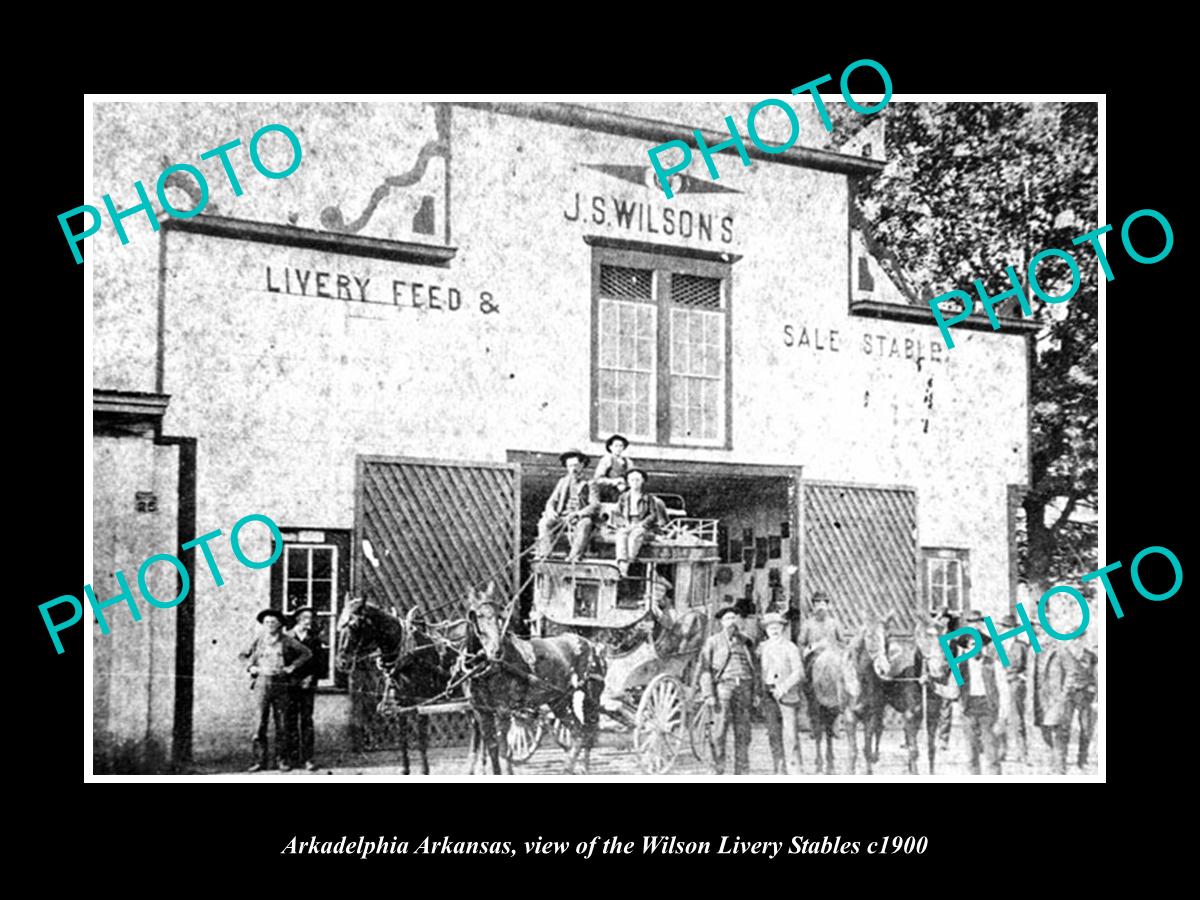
<point x="508" y="675"/>
<point x="412" y="665"/>
<point x="893" y="672"/>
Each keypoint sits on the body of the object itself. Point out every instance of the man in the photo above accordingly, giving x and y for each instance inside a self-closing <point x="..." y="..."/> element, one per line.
<point x="948" y="621"/>
<point x="1018" y="662"/>
<point x="573" y="504"/>
<point x="1081" y="690"/>
<point x="612" y="472"/>
<point x="782" y="672"/>
<point x="985" y="701"/>
<point x="639" y="516"/>
<point x="304" y="689"/>
<point x="271" y="658"/>
<point x="817" y="632"/>
<point x="728" y="685"/>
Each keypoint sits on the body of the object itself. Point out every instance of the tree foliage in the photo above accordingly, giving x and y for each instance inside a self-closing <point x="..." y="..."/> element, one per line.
<point x="969" y="189"/>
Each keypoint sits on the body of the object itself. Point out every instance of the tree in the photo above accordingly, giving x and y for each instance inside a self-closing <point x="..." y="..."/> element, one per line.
<point x="969" y="189"/>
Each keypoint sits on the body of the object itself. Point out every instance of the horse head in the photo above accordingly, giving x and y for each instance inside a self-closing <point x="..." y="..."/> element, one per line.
<point x="483" y="612"/>
<point x="364" y="629"/>
<point x="873" y="638"/>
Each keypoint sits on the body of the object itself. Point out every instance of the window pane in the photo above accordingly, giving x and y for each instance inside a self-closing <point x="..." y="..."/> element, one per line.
<point x="952" y="596"/>
<point x="322" y="562"/>
<point x="297" y="562"/>
<point x="697" y="328"/>
<point x="297" y="595"/>
<point x="641" y="421"/>
<point x="608" y="416"/>
<point x="709" y="401"/>
<point x="645" y="354"/>
<point x="321" y="593"/>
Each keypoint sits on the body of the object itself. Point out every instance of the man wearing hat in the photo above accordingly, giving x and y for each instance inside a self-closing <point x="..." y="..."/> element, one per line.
<point x="639" y="516"/>
<point x="1016" y="673"/>
<point x="271" y="659"/>
<point x="728" y="683"/>
<point x="818" y="632"/>
<point x="612" y="472"/>
<point x="574" y="504"/>
<point x="782" y="672"/>
<point x="985" y="700"/>
<point x="304" y="688"/>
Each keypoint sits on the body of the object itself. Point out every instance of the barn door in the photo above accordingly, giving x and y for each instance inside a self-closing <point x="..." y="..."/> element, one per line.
<point x="428" y="530"/>
<point x="860" y="547"/>
<point x="425" y="532"/>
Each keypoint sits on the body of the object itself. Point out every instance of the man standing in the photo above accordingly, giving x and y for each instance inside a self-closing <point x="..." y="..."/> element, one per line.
<point x="304" y="689"/>
<point x="782" y="672"/>
<point x="639" y="516"/>
<point x="1052" y="711"/>
<point x="1081" y="689"/>
<point x="727" y="682"/>
<point x="1018" y="665"/>
<point x="271" y="658"/>
<point x="985" y="701"/>
<point x="572" y="504"/>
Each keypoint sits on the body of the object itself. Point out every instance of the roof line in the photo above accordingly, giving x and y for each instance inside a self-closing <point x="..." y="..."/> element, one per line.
<point x="575" y="116"/>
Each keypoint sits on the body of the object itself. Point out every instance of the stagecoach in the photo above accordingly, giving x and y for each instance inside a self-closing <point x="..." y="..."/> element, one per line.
<point x="651" y="624"/>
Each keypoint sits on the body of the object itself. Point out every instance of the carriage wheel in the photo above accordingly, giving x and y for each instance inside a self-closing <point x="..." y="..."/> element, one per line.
<point x="660" y="726"/>
<point x="525" y="732"/>
<point x="699" y="731"/>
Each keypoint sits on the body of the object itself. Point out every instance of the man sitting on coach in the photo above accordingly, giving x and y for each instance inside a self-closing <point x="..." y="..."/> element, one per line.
<point x="573" y="504"/>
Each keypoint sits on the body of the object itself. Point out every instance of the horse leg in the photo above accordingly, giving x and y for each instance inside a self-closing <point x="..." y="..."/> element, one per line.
<point x="423" y="739"/>
<point x="852" y="739"/>
<point x="403" y="729"/>
<point x="503" y="723"/>
<point x="489" y="727"/>
<point x="912" y="738"/>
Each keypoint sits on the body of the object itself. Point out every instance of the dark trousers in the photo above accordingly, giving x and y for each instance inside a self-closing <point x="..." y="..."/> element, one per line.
<point x="300" y="723"/>
<point x="274" y="701"/>
<point x="733" y="710"/>
<point x="981" y="722"/>
<point x="1016" y="688"/>
<point x="1081" y="700"/>
<point x="782" y="735"/>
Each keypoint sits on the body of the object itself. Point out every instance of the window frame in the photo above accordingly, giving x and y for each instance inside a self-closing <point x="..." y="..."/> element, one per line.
<point x="962" y="556"/>
<point x="339" y="540"/>
<point x="663" y="265"/>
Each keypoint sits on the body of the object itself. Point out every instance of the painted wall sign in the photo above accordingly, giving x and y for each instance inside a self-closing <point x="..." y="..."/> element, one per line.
<point x="880" y="346"/>
<point x="648" y="218"/>
<point x="383" y="292"/>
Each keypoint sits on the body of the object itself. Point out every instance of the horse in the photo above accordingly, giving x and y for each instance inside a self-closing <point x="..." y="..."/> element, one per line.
<point x="506" y="674"/>
<point x="409" y="660"/>
<point x="832" y="689"/>
<point x="907" y="676"/>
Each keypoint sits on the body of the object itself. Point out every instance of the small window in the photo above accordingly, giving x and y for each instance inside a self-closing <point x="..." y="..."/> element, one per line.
<point x="587" y="598"/>
<point x="945" y="578"/>
<point x="631" y="593"/>
<point x="314" y="571"/>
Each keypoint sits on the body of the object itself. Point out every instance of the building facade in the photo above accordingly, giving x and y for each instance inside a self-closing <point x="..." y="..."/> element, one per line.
<point x="385" y="352"/>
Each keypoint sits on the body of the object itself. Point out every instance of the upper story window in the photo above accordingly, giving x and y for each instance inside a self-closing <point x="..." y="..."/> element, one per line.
<point x="661" y="361"/>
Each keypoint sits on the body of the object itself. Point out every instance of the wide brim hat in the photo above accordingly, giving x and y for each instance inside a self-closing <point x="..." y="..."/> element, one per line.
<point x="774" y="618"/>
<point x="269" y="612"/>
<point x="644" y="473"/>
<point x="615" y="437"/>
<point x="563" y="457"/>
<point x="821" y="597"/>
<point x="975" y="616"/>
<point x="303" y="609"/>
<point x="1009" y="621"/>
<point x="728" y="608"/>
